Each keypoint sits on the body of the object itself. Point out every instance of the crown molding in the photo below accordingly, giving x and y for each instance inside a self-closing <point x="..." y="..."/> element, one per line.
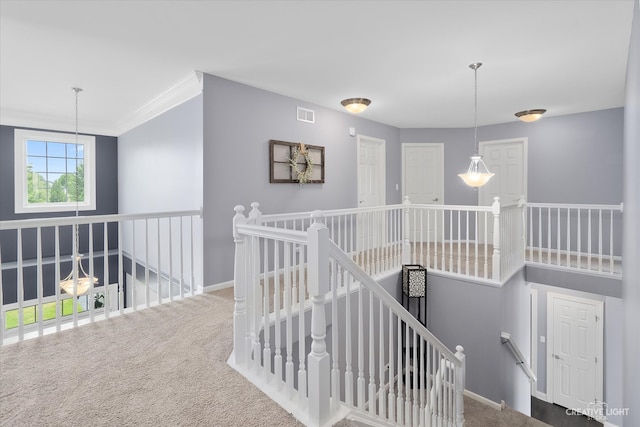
<point x="185" y="89"/>
<point x="27" y="119"/>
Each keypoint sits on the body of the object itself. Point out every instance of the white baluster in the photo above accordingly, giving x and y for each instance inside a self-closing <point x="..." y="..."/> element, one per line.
<point x="392" y="395"/>
<point x="348" y="370"/>
<point x="277" y="359"/>
<point x="240" y="333"/>
<point x="318" y="359"/>
<point x="459" y="386"/>
<point x="372" y="359"/>
<point x="406" y="246"/>
<point x="289" y="331"/>
<point x="360" y="381"/>
<point x="266" y="327"/>
<point x="382" y="403"/>
<point x="495" y="209"/>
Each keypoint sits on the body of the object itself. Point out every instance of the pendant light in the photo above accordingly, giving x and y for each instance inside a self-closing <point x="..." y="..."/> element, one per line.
<point x="478" y="174"/>
<point x="77" y="281"/>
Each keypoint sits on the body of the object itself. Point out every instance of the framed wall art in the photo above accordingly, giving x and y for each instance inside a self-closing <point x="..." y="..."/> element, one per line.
<point x="295" y="162"/>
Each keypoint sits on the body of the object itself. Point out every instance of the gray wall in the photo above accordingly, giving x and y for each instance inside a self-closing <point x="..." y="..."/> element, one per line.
<point x="515" y="320"/>
<point x="239" y="121"/>
<point x="560" y="149"/>
<point x="160" y="162"/>
<point x="631" y="244"/>
<point x="469" y="314"/>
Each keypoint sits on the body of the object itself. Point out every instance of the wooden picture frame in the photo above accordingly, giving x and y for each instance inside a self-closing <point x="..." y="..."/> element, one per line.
<point x="280" y="170"/>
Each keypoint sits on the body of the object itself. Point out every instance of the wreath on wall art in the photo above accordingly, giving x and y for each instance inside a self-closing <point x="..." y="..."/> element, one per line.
<point x="299" y="156"/>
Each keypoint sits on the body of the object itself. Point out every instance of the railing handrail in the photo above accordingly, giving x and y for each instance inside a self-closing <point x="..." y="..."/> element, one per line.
<point x="275" y="233"/>
<point x="470" y="208"/>
<point x="575" y="206"/>
<point x="505" y="337"/>
<point x="374" y="287"/>
<point x="326" y="213"/>
<point x="91" y="219"/>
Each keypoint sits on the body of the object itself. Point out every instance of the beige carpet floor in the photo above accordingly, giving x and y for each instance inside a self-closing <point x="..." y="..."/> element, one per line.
<point x="163" y="366"/>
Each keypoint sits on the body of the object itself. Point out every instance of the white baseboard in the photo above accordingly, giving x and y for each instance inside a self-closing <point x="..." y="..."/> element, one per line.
<point x="218" y="286"/>
<point x="484" y="400"/>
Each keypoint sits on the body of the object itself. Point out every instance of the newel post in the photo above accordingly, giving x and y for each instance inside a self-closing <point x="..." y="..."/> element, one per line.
<point x="406" y="220"/>
<point x="495" y="209"/>
<point x="318" y="360"/>
<point x="459" y="386"/>
<point x="241" y="340"/>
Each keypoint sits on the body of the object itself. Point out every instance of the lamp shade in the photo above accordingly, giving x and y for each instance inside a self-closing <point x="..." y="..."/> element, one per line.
<point x="478" y="174"/>
<point x="530" y="115"/>
<point x="355" y="105"/>
<point x="414" y="280"/>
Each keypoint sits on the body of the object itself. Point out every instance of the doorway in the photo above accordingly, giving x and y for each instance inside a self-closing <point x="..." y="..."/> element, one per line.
<point x="423" y="183"/>
<point x="507" y="158"/>
<point x="371" y="190"/>
<point x="575" y="333"/>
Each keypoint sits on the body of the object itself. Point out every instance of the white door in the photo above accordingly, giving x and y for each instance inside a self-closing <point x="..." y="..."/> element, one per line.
<point x="371" y="171"/>
<point x="371" y="189"/>
<point x="575" y="352"/>
<point x="507" y="159"/>
<point x="423" y="183"/>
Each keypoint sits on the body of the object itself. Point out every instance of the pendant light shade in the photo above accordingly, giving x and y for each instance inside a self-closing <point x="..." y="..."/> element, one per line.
<point x="77" y="282"/>
<point x="478" y="174"/>
<point x="355" y="105"/>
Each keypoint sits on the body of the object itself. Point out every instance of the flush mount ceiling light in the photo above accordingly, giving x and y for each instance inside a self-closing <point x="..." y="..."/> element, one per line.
<point x="355" y="105"/>
<point x="477" y="175"/>
<point x="530" y="115"/>
<point x="77" y="281"/>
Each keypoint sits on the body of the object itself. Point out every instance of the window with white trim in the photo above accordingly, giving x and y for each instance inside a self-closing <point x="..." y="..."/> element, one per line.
<point x="54" y="172"/>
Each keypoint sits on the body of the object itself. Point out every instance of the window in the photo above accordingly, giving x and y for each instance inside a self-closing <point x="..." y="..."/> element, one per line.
<point x="53" y="173"/>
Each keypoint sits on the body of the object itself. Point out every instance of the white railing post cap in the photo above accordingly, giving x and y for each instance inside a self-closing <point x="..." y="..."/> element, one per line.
<point x="239" y="209"/>
<point x="459" y="352"/>
<point x="406" y="200"/>
<point x="317" y="216"/>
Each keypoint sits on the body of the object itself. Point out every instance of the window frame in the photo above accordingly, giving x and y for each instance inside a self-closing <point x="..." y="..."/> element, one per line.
<point x="21" y="203"/>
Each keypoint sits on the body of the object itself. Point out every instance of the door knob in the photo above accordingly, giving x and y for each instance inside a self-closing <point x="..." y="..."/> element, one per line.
<point x="435" y="200"/>
<point x="555" y="356"/>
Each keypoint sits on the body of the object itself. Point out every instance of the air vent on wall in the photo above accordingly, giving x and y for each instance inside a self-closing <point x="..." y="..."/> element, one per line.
<point x="306" y="115"/>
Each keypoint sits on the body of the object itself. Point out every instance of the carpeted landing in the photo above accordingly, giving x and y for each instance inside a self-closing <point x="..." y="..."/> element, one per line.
<point x="163" y="366"/>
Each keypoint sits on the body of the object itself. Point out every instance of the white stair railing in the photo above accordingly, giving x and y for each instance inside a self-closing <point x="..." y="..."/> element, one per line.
<point x="156" y="255"/>
<point x="286" y="282"/>
<point x="584" y="237"/>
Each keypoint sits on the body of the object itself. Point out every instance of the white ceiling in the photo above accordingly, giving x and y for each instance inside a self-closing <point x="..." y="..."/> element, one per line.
<point x="409" y="57"/>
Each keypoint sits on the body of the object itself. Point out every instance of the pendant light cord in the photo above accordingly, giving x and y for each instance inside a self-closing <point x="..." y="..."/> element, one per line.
<point x="77" y="91"/>
<point x="475" y="106"/>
